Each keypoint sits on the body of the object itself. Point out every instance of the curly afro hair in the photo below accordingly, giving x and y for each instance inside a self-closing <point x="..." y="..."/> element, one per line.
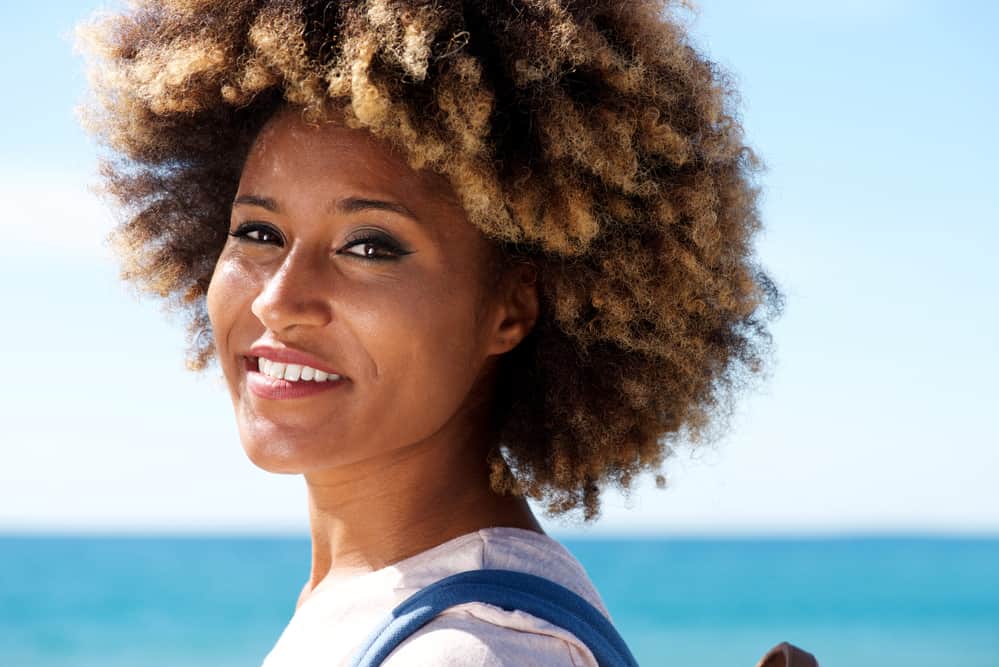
<point x="588" y="137"/>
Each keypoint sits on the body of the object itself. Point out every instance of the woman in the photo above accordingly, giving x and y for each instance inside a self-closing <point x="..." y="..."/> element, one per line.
<point x="449" y="255"/>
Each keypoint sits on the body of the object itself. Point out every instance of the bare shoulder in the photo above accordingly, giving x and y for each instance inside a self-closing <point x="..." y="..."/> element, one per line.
<point x="460" y="638"/>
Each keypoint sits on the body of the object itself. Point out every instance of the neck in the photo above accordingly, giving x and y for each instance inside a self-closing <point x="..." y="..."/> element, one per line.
<point x="378" y="512"/>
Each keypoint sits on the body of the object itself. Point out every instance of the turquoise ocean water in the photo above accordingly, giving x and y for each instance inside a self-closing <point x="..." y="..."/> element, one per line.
<point x="222" y="602"/>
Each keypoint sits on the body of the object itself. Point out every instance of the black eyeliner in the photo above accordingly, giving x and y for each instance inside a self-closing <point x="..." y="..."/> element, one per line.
<point x="381" y="240"/>
<point x="246" y="227"/>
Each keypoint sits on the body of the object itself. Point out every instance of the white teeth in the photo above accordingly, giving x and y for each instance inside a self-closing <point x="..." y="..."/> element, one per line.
<point x="293" y="372"/>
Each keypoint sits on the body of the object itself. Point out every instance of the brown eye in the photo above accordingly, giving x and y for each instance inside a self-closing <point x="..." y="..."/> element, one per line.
<point x="368" y="250"/>
<point x="374" y="247"/>
<point x="257" y="233"/>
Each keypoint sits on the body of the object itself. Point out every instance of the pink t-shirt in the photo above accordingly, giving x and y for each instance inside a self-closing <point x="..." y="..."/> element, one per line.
<point x="326" y="629"/>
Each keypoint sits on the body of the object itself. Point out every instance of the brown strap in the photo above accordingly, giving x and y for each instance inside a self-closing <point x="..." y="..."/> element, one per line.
<point x="787" y="655"/>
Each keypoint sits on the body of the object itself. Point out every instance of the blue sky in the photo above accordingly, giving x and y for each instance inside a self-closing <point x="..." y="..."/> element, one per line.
<point x="877" y="123"/>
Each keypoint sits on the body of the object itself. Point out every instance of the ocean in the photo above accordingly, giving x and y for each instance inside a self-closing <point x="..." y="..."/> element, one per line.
<point x="76" y="601"/>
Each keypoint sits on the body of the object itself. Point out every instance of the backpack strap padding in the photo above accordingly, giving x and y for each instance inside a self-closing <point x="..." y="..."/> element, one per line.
<point x="509" y="590"/>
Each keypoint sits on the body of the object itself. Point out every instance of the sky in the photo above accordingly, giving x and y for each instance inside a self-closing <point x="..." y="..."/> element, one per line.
<point x="880" y="414"/>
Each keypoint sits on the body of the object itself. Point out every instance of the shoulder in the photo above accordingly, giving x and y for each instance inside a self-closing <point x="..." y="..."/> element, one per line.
<point x="541" y="555"/>
<point x="480" y="634"/>
<point x="469" y="635"/>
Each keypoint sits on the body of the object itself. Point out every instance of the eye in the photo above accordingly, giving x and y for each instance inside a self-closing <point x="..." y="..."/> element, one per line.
<point x="374" y="247"/>
<point x="258" y="233"/>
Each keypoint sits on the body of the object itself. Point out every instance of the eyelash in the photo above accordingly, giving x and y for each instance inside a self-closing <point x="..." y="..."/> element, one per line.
<point x="377" y="240"/>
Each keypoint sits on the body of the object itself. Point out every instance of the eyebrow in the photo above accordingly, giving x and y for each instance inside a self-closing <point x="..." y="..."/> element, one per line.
<point x="345" y="205"/>
<point x="357" y="204"/>
<point x="254" y="200"/>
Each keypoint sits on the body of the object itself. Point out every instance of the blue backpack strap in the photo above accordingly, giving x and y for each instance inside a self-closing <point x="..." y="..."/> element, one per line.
<point x="503" y="588"/>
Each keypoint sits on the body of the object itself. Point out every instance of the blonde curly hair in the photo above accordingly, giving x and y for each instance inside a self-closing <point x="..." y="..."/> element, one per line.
<point x="588" y="137"/>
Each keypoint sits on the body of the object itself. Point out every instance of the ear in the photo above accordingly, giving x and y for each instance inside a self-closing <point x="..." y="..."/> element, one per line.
<point x="517" y="310"/>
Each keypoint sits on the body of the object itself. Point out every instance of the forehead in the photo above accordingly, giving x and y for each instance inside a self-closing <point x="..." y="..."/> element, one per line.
<point x="290" y="153"/>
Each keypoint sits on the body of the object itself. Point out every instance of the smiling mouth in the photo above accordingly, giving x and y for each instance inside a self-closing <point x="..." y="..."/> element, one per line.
<point x="269" y="387"/>
<point x="288" y="372"/>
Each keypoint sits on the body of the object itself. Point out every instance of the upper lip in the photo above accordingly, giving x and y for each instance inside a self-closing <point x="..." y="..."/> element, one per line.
<point x="287" y="355"/>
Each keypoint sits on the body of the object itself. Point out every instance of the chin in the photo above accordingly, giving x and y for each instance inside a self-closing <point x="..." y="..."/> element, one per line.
<point x="276" y="462"/>
<point x="273" y="453"/>
<point x="277" y="449"/>
<point x="289" y="456"/>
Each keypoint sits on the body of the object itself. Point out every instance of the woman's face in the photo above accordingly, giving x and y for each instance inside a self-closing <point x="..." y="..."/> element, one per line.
<point x="343" y="259"/>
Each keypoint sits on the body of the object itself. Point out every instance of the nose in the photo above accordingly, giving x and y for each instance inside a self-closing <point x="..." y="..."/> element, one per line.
<point x="295" y="294"/>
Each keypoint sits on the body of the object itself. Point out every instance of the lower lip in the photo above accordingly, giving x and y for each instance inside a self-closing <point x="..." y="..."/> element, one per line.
<point x="265" y="386"/>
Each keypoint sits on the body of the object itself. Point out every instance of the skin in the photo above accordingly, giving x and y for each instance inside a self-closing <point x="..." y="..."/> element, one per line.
<point x="394" y="458"/>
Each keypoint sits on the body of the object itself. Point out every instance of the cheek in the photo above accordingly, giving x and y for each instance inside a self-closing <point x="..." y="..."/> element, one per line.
<point x="424" y="347"/>
<point x="215" y="298"/>
<point x="227" y="292"/>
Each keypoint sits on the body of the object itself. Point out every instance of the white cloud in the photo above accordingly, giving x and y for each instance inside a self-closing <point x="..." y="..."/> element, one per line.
<point x="53" y="214"/>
